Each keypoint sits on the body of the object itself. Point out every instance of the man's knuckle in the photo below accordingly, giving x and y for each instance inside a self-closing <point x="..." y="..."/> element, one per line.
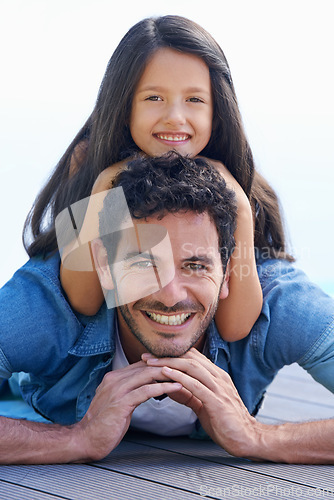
<point x="195" y="364"/>
<point x="197" y="384"/>
<point x="109" y="377"/>
<point x="147" y="390"/>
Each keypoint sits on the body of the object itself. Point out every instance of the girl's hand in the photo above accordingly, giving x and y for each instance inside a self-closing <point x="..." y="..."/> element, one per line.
<point x="107" y="176"/>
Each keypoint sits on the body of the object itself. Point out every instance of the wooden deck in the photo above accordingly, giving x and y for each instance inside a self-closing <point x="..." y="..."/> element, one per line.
<point x="149" y="467"/>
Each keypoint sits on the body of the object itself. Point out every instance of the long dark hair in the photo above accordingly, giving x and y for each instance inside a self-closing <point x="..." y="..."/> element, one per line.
<point x="106" y="137"/>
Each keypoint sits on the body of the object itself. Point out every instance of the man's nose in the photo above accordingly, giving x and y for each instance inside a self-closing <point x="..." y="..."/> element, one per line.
<point x="175" y="291"/>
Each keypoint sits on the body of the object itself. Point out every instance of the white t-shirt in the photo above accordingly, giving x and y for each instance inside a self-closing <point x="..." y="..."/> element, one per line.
<point x="164" y="417"/>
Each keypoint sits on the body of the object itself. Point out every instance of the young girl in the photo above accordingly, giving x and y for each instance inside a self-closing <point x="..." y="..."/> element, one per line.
<point x="167" y="86"/>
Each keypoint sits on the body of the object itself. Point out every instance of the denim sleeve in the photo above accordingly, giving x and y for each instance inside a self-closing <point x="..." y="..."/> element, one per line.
<point x="298" y="318"/>
<point x="36" y="322"/>
<point x="319" y="361"/>
<point x="5" y="368"/>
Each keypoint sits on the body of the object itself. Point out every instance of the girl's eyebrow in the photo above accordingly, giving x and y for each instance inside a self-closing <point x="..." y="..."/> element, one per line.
<point x="157" y="88"/>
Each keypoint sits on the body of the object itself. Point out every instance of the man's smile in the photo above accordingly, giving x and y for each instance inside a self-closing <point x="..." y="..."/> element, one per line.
<point x="175" y="319"/>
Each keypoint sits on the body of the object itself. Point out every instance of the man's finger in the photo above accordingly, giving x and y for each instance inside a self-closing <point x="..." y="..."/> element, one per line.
<point x="195" y="368"/>
<point x="193" y="354"/>
<point x="184" y="397"/>
<point x="145" y="392"/>
<point x="198" y="391"/>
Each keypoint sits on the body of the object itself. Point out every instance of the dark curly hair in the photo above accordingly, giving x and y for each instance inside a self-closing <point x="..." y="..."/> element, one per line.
<point x="168" y="184"/>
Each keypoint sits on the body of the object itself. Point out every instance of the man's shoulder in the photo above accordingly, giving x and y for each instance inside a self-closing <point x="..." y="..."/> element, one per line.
<point x="296" y="312"/>
<point x="271" y="269"/>
<point x="35" y="313"/>
<point x="34" y="287"/>
<point x="282" y="274"/>
<point x="288" y="284"/>
<point x="41" y="270"/>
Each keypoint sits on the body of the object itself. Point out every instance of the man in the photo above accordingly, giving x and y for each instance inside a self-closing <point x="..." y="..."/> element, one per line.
<point x="91" y="376"/>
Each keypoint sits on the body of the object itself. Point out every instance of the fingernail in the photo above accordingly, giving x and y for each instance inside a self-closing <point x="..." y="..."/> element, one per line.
<point x="152" y="360"/>
<point x="146" y="355"/>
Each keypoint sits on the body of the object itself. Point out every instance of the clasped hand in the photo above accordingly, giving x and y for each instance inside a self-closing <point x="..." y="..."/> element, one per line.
<point x="192" y="380"/>
<point x="109" y="414"/>
<point x="210" y="393"/>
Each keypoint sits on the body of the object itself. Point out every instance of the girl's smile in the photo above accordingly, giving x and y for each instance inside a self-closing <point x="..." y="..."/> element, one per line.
<point x="172" y="104"/>
<point x="168" y="137"/>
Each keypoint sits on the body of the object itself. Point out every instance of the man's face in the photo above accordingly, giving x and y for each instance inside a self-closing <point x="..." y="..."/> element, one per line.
<point x="168" y="322"/>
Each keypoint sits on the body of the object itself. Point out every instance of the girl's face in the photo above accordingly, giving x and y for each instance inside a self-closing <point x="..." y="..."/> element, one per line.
<point x="172" y="107"/>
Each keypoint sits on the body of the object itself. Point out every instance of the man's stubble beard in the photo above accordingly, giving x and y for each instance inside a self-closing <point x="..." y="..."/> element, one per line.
<point x="171" y="351"/>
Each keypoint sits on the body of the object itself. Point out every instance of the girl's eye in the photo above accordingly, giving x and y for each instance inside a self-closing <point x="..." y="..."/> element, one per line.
<point x="194" y="99"/>
<point x="153" y="98"/>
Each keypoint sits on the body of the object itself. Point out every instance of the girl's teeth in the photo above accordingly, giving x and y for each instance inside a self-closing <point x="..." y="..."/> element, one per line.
<point x="178" y="319"/>
<point x="172" y="138"/>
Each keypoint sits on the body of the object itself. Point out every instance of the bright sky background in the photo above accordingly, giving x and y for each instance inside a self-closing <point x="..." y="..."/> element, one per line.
<point x="53" y="57"/>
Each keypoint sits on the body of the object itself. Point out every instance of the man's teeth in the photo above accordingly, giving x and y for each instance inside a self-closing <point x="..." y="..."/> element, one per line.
<point x="173" y="137"/>
<point x="178" y="319"/>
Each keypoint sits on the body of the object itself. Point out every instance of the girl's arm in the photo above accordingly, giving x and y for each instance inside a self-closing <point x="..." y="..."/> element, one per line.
<point x="237" y="313"/>
<point x="83" y="288"/>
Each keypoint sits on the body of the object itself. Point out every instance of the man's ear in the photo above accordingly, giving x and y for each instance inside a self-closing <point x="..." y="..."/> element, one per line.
<point x="100" y="257"/>
<point x="224" y="291"/>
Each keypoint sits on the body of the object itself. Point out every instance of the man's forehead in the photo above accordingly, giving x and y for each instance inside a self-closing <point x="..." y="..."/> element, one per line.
<point x="141" y="238"/>
<point x="182" y="222"/>
<point x="188" y="233"/>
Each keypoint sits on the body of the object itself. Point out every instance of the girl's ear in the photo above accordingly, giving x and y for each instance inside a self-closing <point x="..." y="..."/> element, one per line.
<point x="224" y="291"/>
<point x="100" y="257"/>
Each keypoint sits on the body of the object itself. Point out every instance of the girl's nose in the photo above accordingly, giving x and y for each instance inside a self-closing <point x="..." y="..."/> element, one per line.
<point x="175" y="114"/>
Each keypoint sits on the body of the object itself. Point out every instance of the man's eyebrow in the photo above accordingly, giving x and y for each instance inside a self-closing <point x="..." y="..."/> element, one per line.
<point x="142" y="255"/>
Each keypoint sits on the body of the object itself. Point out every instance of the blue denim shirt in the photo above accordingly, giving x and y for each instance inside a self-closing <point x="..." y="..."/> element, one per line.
<point x="61" y="356"/>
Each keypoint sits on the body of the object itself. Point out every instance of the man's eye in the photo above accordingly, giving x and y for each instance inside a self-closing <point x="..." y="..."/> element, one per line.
<point x="142" y="264"/>
<point x="192" y="266"/>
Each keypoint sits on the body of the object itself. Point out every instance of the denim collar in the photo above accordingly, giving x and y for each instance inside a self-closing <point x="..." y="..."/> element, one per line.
<point x="216" y="343"/>
<point x="97" y="337"/>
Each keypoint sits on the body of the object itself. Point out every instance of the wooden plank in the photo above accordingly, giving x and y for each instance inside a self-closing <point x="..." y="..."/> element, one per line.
<point x="147" y="472"/>
<point x="86" y="482"/>
<point x="292" y="381"/>
<point x="292" y="410"/>
<point x="10" y="491"/>
<point x="294" y="396"/>
<point x="312" y="478"/>
<point x="150" y="467"/>
<point x="214" y="470"/>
